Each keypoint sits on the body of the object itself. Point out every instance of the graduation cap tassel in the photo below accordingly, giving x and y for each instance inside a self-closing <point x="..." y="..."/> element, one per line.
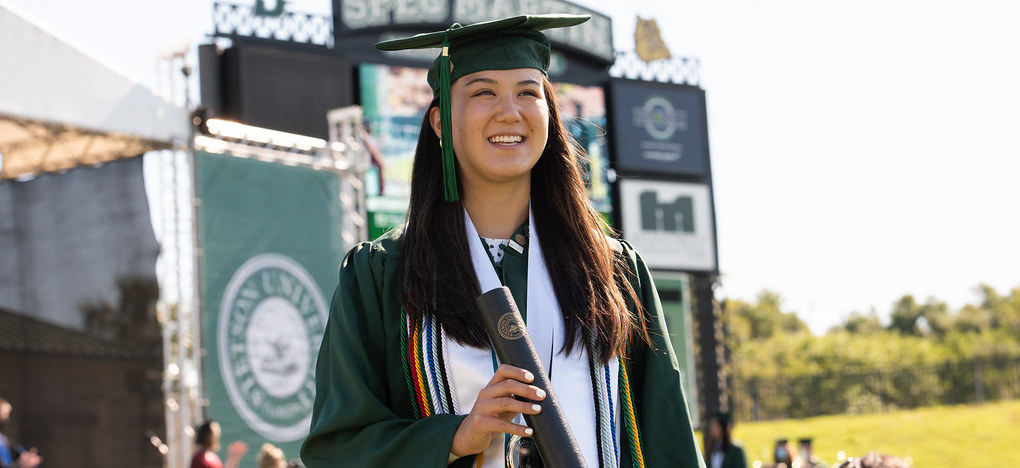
<point x="446" y="140"/>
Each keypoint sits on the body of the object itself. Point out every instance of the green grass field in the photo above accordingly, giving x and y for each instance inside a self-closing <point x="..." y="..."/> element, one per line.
<point x="948" y="436"/>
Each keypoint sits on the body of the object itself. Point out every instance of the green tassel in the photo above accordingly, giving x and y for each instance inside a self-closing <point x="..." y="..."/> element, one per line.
<point x="404" y="357"/>
<point x="446" y="141"/>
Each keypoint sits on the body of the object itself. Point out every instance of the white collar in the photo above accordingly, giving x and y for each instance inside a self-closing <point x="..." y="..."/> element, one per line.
<point x="544" y="317"/>
<point x="572" y="378"/>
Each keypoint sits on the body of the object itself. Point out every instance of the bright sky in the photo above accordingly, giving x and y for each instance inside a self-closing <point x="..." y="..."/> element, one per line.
<point x="861" y="150"/>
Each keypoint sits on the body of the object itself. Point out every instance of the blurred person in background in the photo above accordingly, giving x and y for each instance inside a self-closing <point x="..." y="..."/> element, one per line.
<point x="12" y="455"/>
<point x="782" y="454"/>
<point x="806" y="455"/>
<point x="721" y="451"/>
<point x="271" y="456"/>
<point x="207" y="437"/>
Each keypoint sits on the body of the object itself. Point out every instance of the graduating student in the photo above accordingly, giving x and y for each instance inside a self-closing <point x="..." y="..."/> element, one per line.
<point x="406" y="375"/>
<point x="721" y="451"/>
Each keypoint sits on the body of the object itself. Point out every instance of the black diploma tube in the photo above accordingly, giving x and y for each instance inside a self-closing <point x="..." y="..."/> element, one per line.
<point x="510" y="340"/>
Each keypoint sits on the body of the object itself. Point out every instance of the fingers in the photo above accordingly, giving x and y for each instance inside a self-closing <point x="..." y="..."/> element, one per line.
<point x="505" y="408"/>
<point x="506" y="371"/>
<point x="477" y="430"/>
<point x="507" y="394"/>
<point x="510" y="396"/>
<point x="513" y="381"/>
<point x="495" y="425"/>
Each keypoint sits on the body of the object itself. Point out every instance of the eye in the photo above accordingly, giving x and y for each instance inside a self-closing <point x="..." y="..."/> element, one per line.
<point x="530" y="92"/>
<point x="483" y="92"/>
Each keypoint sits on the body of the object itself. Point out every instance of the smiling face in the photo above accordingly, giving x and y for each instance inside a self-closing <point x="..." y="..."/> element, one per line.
<point x="500" y="126"/>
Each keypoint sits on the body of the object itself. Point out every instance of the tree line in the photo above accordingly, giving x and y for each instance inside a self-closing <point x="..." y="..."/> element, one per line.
<point x="924" y="354"/>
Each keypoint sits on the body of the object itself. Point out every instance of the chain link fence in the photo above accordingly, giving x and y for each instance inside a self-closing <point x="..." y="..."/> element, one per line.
<point x="794" y="397"/>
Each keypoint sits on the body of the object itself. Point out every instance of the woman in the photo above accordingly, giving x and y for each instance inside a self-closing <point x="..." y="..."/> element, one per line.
<point x="721" y="451"/>
<point x="207" y="438"/>
<point x="406" y="376"/>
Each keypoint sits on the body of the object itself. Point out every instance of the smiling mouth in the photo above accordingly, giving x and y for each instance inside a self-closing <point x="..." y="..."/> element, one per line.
<point x="506" y="139"/>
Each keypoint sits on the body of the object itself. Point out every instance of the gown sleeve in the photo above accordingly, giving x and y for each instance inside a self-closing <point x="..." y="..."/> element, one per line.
<point x="735" y="457"/>
<point x="663" y="416"/>
<point x="360" y="416"/>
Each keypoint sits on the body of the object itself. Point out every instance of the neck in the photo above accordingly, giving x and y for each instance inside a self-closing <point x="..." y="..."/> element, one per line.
<point x="498" y="211"/>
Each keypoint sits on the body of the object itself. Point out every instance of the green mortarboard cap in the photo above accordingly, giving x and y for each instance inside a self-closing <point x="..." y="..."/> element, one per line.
<point x="503" y="44"/>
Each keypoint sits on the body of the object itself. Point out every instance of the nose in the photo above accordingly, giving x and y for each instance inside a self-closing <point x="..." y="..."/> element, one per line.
<point x="507" y="110"/>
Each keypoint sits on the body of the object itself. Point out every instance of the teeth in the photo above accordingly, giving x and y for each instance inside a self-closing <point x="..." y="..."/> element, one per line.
<point x="506" y="139"/>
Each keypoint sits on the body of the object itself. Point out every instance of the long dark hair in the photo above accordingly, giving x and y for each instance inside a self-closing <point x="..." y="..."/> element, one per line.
<point x="204" y="434"/>
<point x="590" y="282"/>
<point x="725" y="439"/>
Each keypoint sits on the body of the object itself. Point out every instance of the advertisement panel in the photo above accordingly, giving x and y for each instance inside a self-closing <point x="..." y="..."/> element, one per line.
<point x="658" y="128"/>
<point x="670" y="223"/>
<point x="360" y="17"/>
<point x="583" y="112"/>
<point x="270" y="250"/>
<point x="394" y="100"/>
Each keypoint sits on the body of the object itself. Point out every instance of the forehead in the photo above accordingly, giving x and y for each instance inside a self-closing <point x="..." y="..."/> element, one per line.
<point x="516" y="75"/>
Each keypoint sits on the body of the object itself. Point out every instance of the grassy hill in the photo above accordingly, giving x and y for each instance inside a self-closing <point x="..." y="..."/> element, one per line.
<point x="951" y="436"/>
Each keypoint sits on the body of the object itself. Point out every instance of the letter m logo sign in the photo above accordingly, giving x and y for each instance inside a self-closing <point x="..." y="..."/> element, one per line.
<point x="674" y="216"/>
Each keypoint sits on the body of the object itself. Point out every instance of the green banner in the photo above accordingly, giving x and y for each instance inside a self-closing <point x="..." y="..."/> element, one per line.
<point x="270" y="249"/>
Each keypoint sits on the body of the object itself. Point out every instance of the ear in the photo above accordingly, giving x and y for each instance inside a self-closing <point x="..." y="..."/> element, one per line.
<point x="436" y="121"/>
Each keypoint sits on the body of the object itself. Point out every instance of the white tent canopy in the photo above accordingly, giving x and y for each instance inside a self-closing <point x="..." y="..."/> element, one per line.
<point x="60" y="108"/>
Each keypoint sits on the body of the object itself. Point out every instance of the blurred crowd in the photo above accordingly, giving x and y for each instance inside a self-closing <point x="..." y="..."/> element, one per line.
<point x="207" y="440"/>
<point x="722" y="451"/>
<point x="804" y="457"/>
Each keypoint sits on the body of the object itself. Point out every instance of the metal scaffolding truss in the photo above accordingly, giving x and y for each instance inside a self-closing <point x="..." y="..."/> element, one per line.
<point x="176" y="309"/>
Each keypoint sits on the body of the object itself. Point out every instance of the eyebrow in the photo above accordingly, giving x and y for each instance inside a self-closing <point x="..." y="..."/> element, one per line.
<point x="492" y="82"/>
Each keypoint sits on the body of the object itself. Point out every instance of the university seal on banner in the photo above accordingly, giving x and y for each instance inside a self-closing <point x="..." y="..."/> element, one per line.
<point x="270" y="325"/>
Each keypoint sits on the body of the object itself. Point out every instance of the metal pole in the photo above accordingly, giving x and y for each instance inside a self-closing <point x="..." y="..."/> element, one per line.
<point x="193" y="379"/>
<point x="708" y="346"/>
<point x="174" y="426"/>
<point x="184" y="418"/>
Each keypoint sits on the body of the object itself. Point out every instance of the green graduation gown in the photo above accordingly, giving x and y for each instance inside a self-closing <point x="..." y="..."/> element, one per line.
<point x="734" y="457"/>
<point x="363" y="415"/>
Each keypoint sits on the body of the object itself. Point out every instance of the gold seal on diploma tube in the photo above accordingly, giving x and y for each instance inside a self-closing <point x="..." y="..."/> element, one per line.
<point x="522" y="452"/>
